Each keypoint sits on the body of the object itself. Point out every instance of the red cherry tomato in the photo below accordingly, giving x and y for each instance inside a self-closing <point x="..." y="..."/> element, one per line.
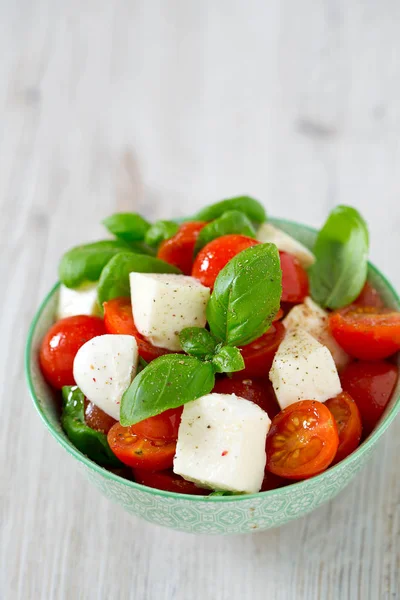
<point x="369" y="296"/>
<point x="258" y="391"/>
<point x="168" y="481"/>
<point x="366" y="332"/>
<point x="295" y="285"/>
<point x="216" y="254"/>
<point x="60" y="345"/>
<point x="348" y="421"/>
<point x="258" y="355"/>
<point x="179" y="249"/>
<point x="97" y="419"/>
<point x="272" y="482"/>
<point x="371" y="385"/>
<point x="118" y="318"/>
<point x="161" y="427"/>
<point x="139" y="452"/>
<point x="302" y="440"/>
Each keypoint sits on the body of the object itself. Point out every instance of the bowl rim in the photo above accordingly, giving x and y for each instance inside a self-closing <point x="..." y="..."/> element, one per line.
<point x="70" y="448"/>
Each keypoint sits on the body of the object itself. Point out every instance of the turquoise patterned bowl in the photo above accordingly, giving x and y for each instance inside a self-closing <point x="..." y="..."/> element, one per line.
<point x="198" y="514"/>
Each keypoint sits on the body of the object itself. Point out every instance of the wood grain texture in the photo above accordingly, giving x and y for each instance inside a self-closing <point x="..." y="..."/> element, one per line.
<point x="162" y="106"/>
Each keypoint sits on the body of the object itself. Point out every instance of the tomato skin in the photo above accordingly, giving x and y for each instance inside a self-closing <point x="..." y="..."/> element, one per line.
<point x="295" y="285"/>
<point x="258" y="355"/>
<point x="272" y="482"/>
<point x="161" y="427"/>
<point x="60" y="345"/>
<point x="139" y="452"/>
<point x="97" y="419"/>
<point x="371" y="385"/>
<point x="179" y="249"/>
<point x="348" y="422"/>
<point x="369" y="296"/>
<point x="302" y="440"/>
<point x="258" y="391"/>
<point x="118" y="318"/>
<point x="366" y="332"/>
<point x="216" y="254"/>
<point x="168" y="481"/>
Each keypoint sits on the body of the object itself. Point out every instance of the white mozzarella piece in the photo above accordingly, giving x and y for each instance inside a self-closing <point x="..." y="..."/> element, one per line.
<point x="163" y="305"/>
<point x="313" y="319"/>
<point x="221" y="443"/>
<point x="77" y="301"/>
<point x="303" y="369"/>
<point x="285" y="242"/>
<point x="104" y="368"/>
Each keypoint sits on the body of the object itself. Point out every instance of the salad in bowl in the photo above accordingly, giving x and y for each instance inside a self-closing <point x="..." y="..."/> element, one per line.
<point x="219" y="356"/>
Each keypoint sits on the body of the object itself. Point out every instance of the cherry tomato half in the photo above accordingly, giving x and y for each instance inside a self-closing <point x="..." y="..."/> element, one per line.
<point x="168" y="481"/>
<point x="348" y="421"/>
<point x="366" y="332"/>
<point x="258" y="355"/>
<point x="60" y="345"/>
<point x="295" y="286"/>
<point x="97" y="419"/>
<point x="179" y="249"/>
<point x="371" y="385"/>
<point x="258" y="391"/>
<point x="137" y="451"/>
<point x="302" y="440"/>
<point x="369" y="296"/>
<point x="161" y="427"/>
<point x="118" y="318"/>
<point x="216" y="254"/>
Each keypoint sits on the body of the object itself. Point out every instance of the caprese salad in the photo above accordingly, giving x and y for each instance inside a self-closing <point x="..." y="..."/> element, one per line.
<point x="220" y="355"/>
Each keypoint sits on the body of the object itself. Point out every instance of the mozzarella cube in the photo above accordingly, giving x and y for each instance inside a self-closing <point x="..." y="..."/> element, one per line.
<point x="313" y="319"/>
<point x="104" y="368"/>
<point x="163" y="305"/>
<point x="77" y="301"/>
<point x="221" y="443"/>
<point x="303" y="369"/>
<point x="285" y="242"/>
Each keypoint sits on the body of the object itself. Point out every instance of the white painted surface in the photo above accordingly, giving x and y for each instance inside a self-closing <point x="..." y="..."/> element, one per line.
<point x="161" y="107"/>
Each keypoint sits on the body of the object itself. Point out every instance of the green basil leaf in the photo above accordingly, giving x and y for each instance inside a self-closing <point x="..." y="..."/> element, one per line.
<point x="341" y="250"/>
<point x="141" y="248"/>
<point x="161" y="231"/>
<point x="228" y="360"/>
<point x="86" y="262"/>
<point x="114" y="278"/>
<point x="232" y="221"/>
<point x="142" y="364"/>
<point x="198" y="342"/>
<point x="167" y="382"/>
<point x="130" y="227"/>
<point x="250" y="207"/>
<point x="92" y="443"/>
<point x="246" y="296"/>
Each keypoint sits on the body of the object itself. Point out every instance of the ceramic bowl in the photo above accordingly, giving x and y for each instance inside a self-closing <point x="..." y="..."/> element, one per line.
<point x="198" y="514"/>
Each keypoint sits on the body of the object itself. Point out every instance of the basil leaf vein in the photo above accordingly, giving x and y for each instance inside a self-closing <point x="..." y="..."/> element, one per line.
<point x="167" y="382"/>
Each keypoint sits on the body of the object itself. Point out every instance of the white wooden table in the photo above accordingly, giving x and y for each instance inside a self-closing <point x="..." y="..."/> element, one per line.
<point x="161" y="107"/>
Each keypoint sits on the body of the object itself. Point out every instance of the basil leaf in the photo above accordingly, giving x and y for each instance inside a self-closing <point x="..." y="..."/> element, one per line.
<point x="228" y="360"/>
<point x="232" y="221"/>
<point x="160" y="231"/>
<point x="250" y="207"/>
<point x="90" y="442"/>
<point x="130" y="227"/>
<point x="86" y="262"/>
<point x="198" y="342"/>
<point x="141" y="248"/>
<point x="246" y="295"/>
<point x="114" y="278"/>
<point x="167" y="382"/>
<point x="341" y="250"/>
<point x="224" y="493"/>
